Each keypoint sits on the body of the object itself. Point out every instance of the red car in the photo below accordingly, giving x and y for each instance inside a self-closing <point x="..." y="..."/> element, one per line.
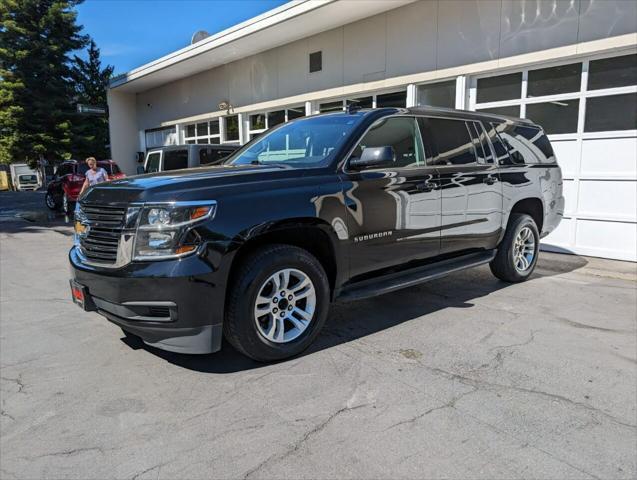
<point x="69" y="177"/>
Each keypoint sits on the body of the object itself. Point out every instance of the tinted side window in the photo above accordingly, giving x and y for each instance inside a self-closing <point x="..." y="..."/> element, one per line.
<point x="175" y="159"/>
<point x="501" y="152"/>
<point x="152" y="165"/>
<point x="455" y="145"/>
<point x="400" y="133"/>
<point x="212" y="156"/>
<point x="480" y="140"/>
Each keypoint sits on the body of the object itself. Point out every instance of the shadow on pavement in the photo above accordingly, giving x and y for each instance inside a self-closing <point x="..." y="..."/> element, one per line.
<point x="351" y="321"/>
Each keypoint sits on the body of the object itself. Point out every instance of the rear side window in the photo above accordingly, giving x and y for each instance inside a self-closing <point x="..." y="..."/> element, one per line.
<point x="209" y="156"/>
<point x="175" y="159"/>
<point x="455" y="145"/>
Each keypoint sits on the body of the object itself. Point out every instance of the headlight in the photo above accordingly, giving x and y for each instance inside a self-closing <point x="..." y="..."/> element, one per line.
<point x="165" y="230"/>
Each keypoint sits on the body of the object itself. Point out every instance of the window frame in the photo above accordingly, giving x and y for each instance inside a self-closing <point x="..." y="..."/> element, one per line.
<point x="428" y="152"/>
<point x="583" y="94"/>
<point x="374" y="96"/>
<point x="476" y="163"/>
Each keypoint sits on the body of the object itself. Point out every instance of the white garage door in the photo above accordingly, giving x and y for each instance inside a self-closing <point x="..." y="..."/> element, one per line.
<point x="589" y="110"/>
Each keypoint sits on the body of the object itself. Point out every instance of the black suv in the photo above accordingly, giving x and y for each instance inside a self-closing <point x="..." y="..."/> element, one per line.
<point x="335" y="206"/>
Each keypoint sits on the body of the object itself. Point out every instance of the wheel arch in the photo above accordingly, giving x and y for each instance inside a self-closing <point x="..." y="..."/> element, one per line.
<point x="532" y="206"/>
<point x="312" y="234"/>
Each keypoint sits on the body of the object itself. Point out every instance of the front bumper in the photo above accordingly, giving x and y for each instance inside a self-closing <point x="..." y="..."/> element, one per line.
<point x="173" y="305"/>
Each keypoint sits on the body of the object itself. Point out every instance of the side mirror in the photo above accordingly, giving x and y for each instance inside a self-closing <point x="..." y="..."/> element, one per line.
<point x="374" y="157"/>
<point x="140" y="169"/>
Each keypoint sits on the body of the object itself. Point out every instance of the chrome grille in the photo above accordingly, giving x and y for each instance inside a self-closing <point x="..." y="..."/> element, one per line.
<point x="105" y="225"/>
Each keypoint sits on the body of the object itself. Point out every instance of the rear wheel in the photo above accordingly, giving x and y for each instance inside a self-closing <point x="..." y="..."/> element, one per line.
<point x="50" y="201"/>
<point x="277" y="304"/>
<point x="518" y="252"/>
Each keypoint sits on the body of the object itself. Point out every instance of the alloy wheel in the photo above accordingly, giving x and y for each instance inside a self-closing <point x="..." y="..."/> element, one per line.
<point x="524" y="250"/>
<point x="285" y="305"/>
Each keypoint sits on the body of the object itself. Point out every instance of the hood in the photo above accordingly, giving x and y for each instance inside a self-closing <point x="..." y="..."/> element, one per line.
<point x="171" y="185"/>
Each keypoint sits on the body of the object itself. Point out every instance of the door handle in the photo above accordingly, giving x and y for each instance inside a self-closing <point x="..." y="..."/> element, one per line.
<point x="490" y="180"/>
<point x="426" y="186"/>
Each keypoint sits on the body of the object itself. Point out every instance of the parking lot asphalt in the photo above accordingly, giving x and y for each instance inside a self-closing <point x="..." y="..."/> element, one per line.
<point x="463" y="377"/>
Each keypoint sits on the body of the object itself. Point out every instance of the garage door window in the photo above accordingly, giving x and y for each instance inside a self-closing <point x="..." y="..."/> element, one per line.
<point x="614" y="112"/>
<point x="554" y="97"/>
<point x="440" y="94"/>
<point x="394" y="99"/>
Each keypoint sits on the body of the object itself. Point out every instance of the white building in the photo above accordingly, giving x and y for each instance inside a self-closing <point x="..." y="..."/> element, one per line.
<point x="570" y="65"/>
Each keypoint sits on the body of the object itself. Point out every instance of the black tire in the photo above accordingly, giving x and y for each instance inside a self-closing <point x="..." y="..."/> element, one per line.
<point x="51" y="202"/>
<point x="503" y="265"/>
<point x="240" y="328"/>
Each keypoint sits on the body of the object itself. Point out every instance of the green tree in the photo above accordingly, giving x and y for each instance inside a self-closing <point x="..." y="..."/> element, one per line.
<point x="90" y="80"/>
<point x="37" y="38"/>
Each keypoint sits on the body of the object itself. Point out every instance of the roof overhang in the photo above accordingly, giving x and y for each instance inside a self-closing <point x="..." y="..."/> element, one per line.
<point x="292" y="21"/>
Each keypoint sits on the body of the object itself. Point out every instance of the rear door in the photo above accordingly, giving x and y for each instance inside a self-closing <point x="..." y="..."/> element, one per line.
<point x="471" y="193"/>
<point x="393" y="210"/>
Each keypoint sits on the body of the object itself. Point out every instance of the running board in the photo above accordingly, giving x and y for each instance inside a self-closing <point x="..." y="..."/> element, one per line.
<point x="395" y="281"/>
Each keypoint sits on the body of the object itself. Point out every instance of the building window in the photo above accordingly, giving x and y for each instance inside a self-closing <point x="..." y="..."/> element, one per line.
<point x="440" y="94"/>
<point x="316" y="62"/>
<point x="260" y="122"/>
<point x="159" y="137"/>
<point x="512" y="111"/>
<point x="396" y="99"/>
<point x="501" y="87"/>
<point x="232" y="128"/>
<point x="337" y="106"/>
<point x="558" y="98"/>
<point x="613" y="112"/>
<point x="556" y="116"/>
<point x="202" y="132"/>
<point x="555" y="80"/>
<point x="612" y="72"/>
<point x="362" y="102"/>
<point x="393" y="99"/>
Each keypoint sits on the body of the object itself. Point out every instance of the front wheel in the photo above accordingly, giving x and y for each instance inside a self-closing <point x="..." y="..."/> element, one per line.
<point x="277" y="304"/>
<point x="518" y="251"/>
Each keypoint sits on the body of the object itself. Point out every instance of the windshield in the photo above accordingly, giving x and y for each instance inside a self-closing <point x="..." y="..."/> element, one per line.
<point x="308" y="142"/>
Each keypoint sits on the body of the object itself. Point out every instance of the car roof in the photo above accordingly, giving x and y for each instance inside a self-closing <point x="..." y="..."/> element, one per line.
<point x="436" y="112"/>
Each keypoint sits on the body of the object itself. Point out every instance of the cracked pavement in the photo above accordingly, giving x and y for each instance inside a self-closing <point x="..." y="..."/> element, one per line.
<point x="463" y="377"/>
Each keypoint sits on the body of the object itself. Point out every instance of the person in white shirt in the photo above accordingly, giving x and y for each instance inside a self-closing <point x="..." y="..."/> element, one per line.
<point x="94" y="175"/>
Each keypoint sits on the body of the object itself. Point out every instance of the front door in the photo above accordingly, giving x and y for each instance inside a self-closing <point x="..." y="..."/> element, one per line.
<point x="470" y="187"/>
<point x="394" y="209"/>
